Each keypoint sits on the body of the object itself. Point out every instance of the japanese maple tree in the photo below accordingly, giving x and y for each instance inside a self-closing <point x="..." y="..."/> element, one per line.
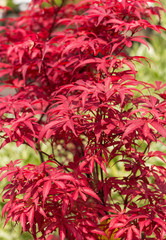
<point x="75" y="88"/>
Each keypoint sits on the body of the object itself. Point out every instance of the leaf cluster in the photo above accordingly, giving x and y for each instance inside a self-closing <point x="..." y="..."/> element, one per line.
<point x="75" y="87"/>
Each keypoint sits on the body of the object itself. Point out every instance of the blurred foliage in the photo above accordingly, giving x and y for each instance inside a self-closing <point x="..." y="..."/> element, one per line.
<point x="14" y="7"/>
<point x="156" y="54"/>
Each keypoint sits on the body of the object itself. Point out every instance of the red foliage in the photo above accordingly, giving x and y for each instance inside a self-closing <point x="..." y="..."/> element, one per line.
<point x="75" y="88"/>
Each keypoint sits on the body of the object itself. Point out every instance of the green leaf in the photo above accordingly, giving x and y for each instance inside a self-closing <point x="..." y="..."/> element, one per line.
<point x="58" y="2"/>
